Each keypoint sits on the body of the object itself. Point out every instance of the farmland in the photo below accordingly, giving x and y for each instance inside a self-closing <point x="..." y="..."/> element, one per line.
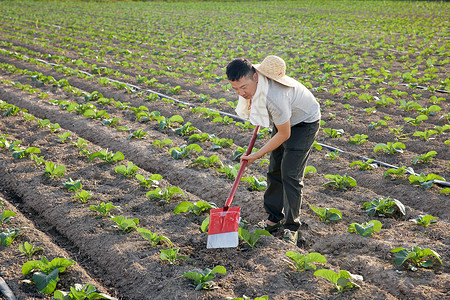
<point x="94" y="89"/>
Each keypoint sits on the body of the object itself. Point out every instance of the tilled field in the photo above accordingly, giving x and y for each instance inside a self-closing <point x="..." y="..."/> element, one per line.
<point x="126" y="266"/>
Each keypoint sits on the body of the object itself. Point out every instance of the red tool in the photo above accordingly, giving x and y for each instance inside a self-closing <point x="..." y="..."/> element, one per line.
<point x="223" y="229"/>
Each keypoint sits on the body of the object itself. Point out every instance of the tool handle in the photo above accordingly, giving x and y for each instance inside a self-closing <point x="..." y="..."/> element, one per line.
<point x="241" y="169"/>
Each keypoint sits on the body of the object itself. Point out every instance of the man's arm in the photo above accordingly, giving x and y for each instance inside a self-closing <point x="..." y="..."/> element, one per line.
<point x="283" y="133"/>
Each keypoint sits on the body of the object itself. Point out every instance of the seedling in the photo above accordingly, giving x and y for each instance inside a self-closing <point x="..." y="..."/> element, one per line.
<point x="125" y="225"/>
<point x="127" y="171"/>
<point x="425" y="220"/>
<point x="38" y="160"/>
<point x="303" y="262"/>
<point x="79" y="291"/>
<point x="425" y="181"/>
<point x="153" y="238"/>
<point x="203" y="279"/>
<point x="252" y="239"/>
<point x="390" y="148"/>
<point x="225" y="120"/>
<point x="63" y="138"/>
<point x="425" y="135"/>
<point x="201" y="137"/>
<point x="47" y="278"/>
<point x="424" y="158"/>
<point x="25" y="153"/>
<point x="378" y="124"/>
<point x="397" y="173"/>
<point x="245" y="126"/>
<point x="416" y="257"/>
<point x="168" y="122"/>
<point x="230" y="172"/>
<point x="255" y="183"/>
<point x="365" y="229"/>
<point x="410" y="105"/>
<point x="152" y="181"/>
<point x="166" y="194"/>
<point x="341" y="280"/>
<point x="52" y="171"/>
<point x="138" y="134"/>
<point x="43" y="123"/>
<point x="6" y="216"/>
<point x="107" y="156"/>
<point x="310" y="169"/>
<point x="358" y="139"/>
<point x="384" y="101"/>
<point x="83" y="196"/>
<point x="384" y="206"/>
<point x="73" y="185"/>
<point x="171" y="255"/>
<point x="161" y="144"/>
<point x="398" y="132"/>
<point x="326" y="214"/>
<point x="333" y="155"/>
<point x="197" y="208"/>
<point x="80" y="144"/>
<point x="8" y="236"/>
<point x="28" y="249"/>
<point x="221" y="143"/>
<point x="184" y="150"/>
<point x="209" y="162"/>
<point x="111" y="122"/>
<point x="54" y="127"/>
<point x="186" y="129"/>
<point x="333" y="133"/>
<point x="340" y="182"/>
<point x="103" y="208"/>
<point x="416" y="121"/>
<point x="364" y="165"/>
<point x="441" y="129"/>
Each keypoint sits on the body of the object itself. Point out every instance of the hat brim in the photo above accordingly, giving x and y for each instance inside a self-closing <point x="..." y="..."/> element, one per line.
<point x="285" y="80"/>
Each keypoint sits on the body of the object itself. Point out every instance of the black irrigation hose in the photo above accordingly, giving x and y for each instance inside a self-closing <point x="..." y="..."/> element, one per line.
<point x="6" y="291"/>
<point x="439" y="182"/>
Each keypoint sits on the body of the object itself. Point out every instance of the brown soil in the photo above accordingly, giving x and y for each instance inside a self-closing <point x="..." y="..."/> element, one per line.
<point x="127" y="267"/>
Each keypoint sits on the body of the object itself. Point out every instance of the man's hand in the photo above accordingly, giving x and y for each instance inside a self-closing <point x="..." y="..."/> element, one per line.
<point x="249" y="158"/>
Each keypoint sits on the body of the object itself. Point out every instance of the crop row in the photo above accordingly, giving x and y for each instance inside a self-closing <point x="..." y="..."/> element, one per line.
<point x="142" y="115"/>
<point x="127" y="224"/>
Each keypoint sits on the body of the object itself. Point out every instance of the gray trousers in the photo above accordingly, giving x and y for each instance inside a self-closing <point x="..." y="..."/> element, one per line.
<point x="283" y="196"/>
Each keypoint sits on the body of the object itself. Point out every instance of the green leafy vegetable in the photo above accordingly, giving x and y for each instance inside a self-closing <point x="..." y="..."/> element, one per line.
<point x="326" y="214"/>
<point x="365" y="229"/>
<point x="203" y="279"/>
<point x="303" y="262"/>
<point x="417" y="257"/>
<point x="153" y="238"/>
<point x="252" y="239"/>
<point x="341" y="280"/>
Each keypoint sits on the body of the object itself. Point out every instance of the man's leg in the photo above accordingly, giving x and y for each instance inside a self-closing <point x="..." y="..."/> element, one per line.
<point x="295" y="156"/>
<point x="273" y="196"/>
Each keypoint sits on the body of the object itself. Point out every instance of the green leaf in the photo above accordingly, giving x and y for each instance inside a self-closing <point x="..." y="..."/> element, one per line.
<point x="46" y="283"/>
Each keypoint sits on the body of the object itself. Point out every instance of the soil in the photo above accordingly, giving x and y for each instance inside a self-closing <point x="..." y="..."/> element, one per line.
<point x="126" y="266"/>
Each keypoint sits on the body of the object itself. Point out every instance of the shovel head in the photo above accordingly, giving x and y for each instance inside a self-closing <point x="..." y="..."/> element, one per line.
<point x="223" y="229"/>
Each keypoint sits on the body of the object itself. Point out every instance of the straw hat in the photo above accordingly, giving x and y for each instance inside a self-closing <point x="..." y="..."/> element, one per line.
<point x="274" y="68"/>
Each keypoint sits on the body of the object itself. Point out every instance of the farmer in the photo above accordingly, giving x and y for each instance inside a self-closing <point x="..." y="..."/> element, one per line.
<point x="267" y="94"/>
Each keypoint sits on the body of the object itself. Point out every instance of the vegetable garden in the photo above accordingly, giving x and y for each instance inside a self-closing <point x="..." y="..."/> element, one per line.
<point x="118" y="134"/>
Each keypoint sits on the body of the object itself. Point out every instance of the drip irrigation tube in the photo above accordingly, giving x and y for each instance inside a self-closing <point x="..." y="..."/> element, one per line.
<point x="6" y="291"/>
<point x="439" y="182"/>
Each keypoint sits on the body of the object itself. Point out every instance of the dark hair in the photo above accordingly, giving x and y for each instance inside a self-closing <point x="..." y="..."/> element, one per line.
<point x="239" y="68"/>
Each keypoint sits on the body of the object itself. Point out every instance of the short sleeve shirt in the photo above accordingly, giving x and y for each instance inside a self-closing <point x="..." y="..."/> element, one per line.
<point x="295" y="104"/>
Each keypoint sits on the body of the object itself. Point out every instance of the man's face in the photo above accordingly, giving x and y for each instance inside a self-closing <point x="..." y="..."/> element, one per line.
<point x="246" y="87"/>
